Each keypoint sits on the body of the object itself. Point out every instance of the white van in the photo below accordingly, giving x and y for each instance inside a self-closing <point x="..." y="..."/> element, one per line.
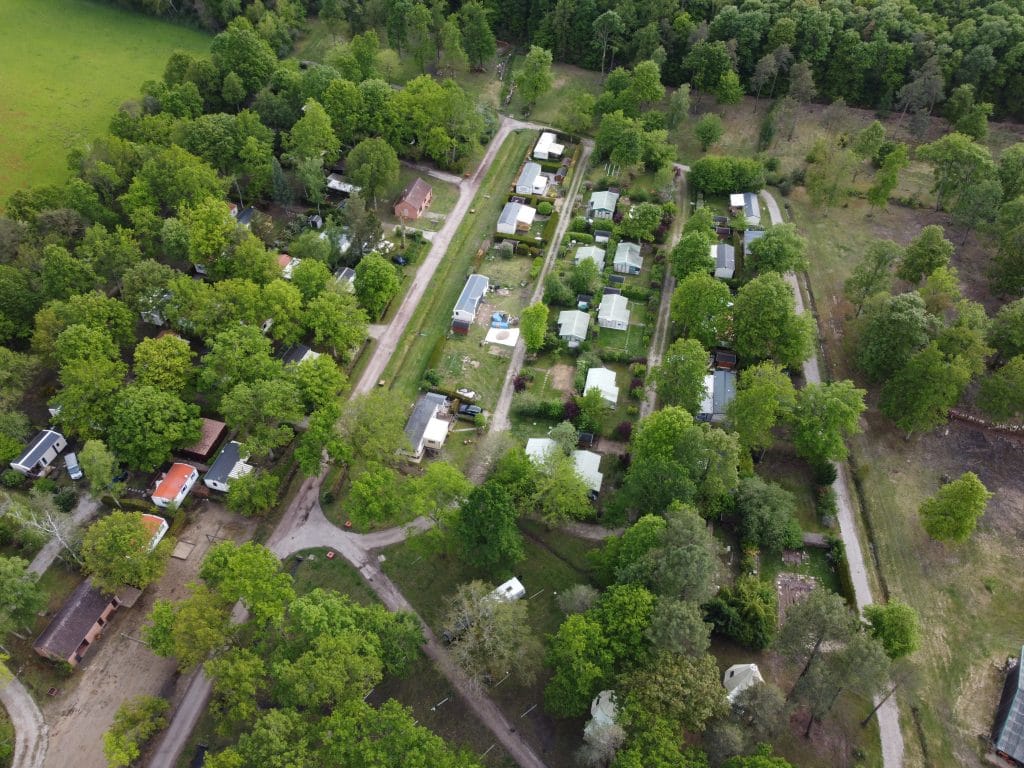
<point x="71" y="462"/>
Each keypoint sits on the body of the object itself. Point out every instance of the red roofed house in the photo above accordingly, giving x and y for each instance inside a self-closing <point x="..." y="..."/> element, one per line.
<point x="287" y="264"/>
<point x="414" y="200"/>
<point x="157" y="526"/>
<point x="212" y="433"/>
<point x="175" y="485"/>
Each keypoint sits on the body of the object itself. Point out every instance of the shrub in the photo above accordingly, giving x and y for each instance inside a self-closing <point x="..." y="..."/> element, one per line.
<point x="579" y="224"/>
<point x="519" y="383"/>
<point x="544" y="208"/>
<point x="624" y="431"/>
<point x="45" y="485"/>
<point x="637" y="393"/>
<point x="536" y="267"/>
<point x="551" y="410"/>
<point x="638" y="369"/>
<point x="11" y="478"/>
<point x="570" y="411"/>
<point x="826" y="503"/>
<point x="824" y="472"/>
<point x="581" y="237"/>
<point x="65" y="499"/>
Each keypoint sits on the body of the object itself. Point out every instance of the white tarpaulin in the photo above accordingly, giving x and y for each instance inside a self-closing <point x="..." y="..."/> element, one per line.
<point x="507" y="337"/>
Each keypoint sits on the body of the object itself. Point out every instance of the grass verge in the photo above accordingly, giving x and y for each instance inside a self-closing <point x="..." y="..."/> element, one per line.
<point x="67" y="65"/>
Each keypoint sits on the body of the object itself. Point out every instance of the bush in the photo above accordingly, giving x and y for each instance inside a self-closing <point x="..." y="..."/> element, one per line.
<point x="824" y="472"/>
<point x="65" y="499"/>
<point x="544" y="208"/>
<point x="536" y="267"/>
<point x="623" y="431"/>
<point x="637" y="393"/>
<point x="551" y="410"/>
<point x="45" y="485"/>
<point x="636" y="293"/>
<point x="519" y="383"/>
<point x="638" y="369"/>
<point x="771" y="164"/>
<point x="11" y="478"/>
<point x="581" y="237"/>
<point x="431" y="378"/>
<point x="549" y="227"/>
<point x="579" y="224"/>
<point x="826" y="504"/>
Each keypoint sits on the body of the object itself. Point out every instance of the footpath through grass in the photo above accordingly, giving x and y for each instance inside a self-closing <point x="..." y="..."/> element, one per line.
<point x="433" y="315"/>
<point x="67" y="65"/>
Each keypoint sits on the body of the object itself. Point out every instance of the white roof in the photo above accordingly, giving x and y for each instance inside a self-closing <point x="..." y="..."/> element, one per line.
<point x="537" y="448"/>
<point x="707" y="403"/>
<point x="572" y="322"/>
<point x="602" y="379"/>
<point x="588" y="466"/>
<point x="512" y="589"/>
<point x="739" y="677"/>
<point x="436" y="431"/>
<point x="628" y="253"/>
<point x="525" y="215"/>
<point x="591" y="252"/>
<point x="603" y="708"/>
<point x="548" y="143"/>
<point x="605" y="200"/>
<point x="338" y="184"/>
<point x="736" y="200"/>
<point x="613" y="307"/>
<point x="588" y="463"/>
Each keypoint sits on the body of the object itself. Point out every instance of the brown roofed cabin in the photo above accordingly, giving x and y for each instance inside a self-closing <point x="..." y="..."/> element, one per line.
<point x="415" y="200"/>
<point x="212" y="433"/>
<point x="77" y="625"/>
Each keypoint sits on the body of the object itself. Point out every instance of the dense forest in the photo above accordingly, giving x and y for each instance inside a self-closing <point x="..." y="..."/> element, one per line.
<point x="886" y="55"/>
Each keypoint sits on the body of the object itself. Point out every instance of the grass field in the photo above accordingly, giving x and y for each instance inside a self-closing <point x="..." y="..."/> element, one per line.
<point x="67" y="65"/>
<point x="968" y="597"/>
<point x="432" y="317"/>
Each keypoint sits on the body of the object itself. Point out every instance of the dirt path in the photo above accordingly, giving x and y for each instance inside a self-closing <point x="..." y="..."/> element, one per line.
<point x="499" y="418"/>
<point x="304" y="526"/>
<point x="30" y="731"/>
<point x="660" y="338"/>
<point x="388" y="339"/>
<point x="888" y="715"/>
<point x="121" y="666"/>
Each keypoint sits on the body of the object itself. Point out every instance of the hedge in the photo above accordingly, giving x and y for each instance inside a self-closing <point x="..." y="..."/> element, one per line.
<point x="549" y="227"/>
<point x="541" y="409"/>
<point x="581" y="237"/>
<point x="635" y="293"/>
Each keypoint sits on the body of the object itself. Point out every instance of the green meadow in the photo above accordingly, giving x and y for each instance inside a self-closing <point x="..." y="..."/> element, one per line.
<point x="65" y="67"/>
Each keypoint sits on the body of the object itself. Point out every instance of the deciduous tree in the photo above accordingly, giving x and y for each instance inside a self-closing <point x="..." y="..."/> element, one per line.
<point x="919" y="395"/>
<point x="952" y="513"/>
<point x="136" y="722"/>
<point x="895" y="625"/>
<point x="582" y="663"/>
<point x="485" y="529"/>
<point x="767" y="517"/>
<point x="373" y="165"/>
<point x="312" y="136"/>
<point x="253" y="494"/>
<point x="708" y="130"/>
<point x="116" y="552"/>
<point x="892" y="330"/>
<point x="337" y="321"/>
<point x="149" y="423"/>
<point x="22" y="596"/>
<point x="824" y="416"/>
<point x="701" y="308"/>
<point x="682" y="690"/>
<point x="781" y="249"/>
<point x="251" y="573"/>
<point x="680" y="377"/>
<point x="767" y="325"/>
<point x="925" y="253"/>
<point x="1002" y="393"/>
<point x="164" y="363"/>
<point x="535" y="78"/>
<point x="873" y="273"/>
<point x="747" y="612"/>
<point x="765" y="397"/>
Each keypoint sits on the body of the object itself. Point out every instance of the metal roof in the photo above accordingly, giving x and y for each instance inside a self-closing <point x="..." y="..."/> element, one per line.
<point x="572" y="322"/>
<point x="749" y="236"/>
<point x="725" y="256"/>
<point x="40" y="444"/>
<point x="509" y="214"/>
<point x="426" y="408"/>
<point x="1008" y="731"/>
<point x="603" y="380"/>
<point x="613" y="307"/>
<point x="529" y="175"/>
<point x="628" y="253"/>
<point x="472" y="292"/>
<point x="591" y="252"/>
<point x="605" y="200"/>
<point x="220" y="470"/>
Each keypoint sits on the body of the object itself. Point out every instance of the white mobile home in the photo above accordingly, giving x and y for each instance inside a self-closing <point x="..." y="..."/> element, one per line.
<point x="470" y="298"/>
<point x="40" y="453"/>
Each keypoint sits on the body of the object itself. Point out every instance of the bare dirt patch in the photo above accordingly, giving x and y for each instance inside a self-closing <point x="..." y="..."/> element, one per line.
<point x="562" y="377"/>
<point x="121" y="666"/>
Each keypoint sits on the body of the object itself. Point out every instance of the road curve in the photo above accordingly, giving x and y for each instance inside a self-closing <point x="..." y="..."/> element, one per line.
<point x="888" y="715"/>
<point x="30" y="732"/>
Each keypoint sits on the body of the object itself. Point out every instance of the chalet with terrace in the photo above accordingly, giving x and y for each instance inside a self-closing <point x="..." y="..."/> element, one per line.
<point x="77" y="625"/>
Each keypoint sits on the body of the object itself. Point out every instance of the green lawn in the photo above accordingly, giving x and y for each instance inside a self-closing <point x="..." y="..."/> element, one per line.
<point x="67" y="65"/>
<point x="567" y="78"/>
<point x="433" y="315"/>
<point x="316" y="571"/>
<point x="444" y="197"/>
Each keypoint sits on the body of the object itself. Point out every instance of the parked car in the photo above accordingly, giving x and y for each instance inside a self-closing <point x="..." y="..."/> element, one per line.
<point x="400" y="260"/>
<point x="472" y="411"/>
<point x="466" y="394"/>
<point x="71" y="462"/>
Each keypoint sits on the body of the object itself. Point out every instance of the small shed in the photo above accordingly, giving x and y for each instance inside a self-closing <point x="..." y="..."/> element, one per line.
<point x="628" y="260"/>
<point x="469" y="300"/>
<point x="602" y="235"/>
<point x="414" y="200"/>
<point x="77" y="625"/>
<point x="613" y="312"/>
<point x="724" y="256"/>
<point x="336" y="183"/>
<point x="39" y="455"/>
